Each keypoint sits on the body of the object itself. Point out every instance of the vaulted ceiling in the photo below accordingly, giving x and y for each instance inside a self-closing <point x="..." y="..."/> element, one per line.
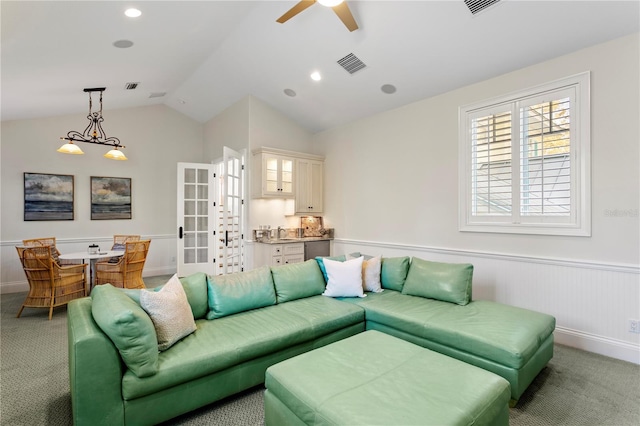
<point x="206" y="55"/>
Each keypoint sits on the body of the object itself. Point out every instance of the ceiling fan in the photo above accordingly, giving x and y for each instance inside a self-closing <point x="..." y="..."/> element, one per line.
<point x="339" y="7"/>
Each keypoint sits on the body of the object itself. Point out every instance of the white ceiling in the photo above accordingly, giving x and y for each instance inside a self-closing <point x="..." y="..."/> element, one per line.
<point x="209" y="54"/>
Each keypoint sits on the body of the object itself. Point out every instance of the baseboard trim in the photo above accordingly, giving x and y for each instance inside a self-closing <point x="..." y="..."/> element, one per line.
<point x="14" y="287"/>
<point x="603" y="266"/>
<point x="612" y="348"/>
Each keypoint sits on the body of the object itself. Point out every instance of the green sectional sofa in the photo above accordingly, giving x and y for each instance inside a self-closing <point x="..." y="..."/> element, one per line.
<point x="241" y="324"/>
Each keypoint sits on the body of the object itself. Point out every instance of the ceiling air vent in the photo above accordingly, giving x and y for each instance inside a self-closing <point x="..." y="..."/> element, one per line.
<point x="476" y="6"/>
<point x="156" y="94"/>
<point x="131" y="86"/>
<point x="351" y="63"/>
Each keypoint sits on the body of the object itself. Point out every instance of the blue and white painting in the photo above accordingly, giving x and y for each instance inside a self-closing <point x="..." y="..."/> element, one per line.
<point x="110" y="198"/>
<point x="48" y="197"/>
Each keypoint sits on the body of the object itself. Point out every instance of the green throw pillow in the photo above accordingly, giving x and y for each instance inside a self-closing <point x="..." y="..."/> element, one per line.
<point x="449" y="282"/>
<point x="297" y="280"/>
<point x="393" y="272"/>
<point x="233" y="293"/>
<point x="129" y="328"/>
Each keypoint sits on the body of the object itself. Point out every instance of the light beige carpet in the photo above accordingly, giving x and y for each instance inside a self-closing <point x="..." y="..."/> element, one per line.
<point x="576" y="388"/>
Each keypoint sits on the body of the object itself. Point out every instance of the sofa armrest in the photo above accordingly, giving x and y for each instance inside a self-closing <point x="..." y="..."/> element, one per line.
<point x="95" y="369"/>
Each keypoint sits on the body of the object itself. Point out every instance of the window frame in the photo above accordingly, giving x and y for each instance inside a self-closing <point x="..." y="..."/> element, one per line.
<point x="578" y="223"/>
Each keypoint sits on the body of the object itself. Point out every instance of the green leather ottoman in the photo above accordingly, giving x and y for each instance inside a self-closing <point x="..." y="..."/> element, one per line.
<point x="376" y="379"/>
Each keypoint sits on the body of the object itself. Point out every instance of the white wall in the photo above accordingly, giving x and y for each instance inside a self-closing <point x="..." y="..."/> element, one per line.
<point x="393" y="179"/>
<point x="249" y="124"/>
<point x="156" y="137"/>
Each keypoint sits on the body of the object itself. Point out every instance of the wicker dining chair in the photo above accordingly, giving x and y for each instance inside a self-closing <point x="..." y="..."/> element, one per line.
<point x="119" y="240"/>
<point x="50" y="285"/>
<point x="127" y="272"/>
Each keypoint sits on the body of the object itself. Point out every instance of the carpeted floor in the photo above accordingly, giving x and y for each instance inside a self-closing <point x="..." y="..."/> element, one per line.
<point x="576" y="388"/>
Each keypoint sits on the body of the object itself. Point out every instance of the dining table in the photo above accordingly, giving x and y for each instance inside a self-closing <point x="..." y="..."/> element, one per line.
<point x="92" y="258"/>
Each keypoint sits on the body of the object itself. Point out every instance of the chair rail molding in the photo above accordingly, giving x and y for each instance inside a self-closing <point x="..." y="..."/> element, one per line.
<point x="592" y="301"/>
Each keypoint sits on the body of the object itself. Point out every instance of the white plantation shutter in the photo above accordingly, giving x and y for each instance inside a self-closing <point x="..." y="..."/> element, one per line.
<point x="524" y="161"/>
<point x="491" y="164"/>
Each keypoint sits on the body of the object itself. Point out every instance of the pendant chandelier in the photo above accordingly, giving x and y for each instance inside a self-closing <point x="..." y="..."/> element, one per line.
<point x="93" y="133"/>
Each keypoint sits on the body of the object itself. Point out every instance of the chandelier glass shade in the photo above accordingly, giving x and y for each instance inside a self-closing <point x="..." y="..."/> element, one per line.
<point x="93" y="133"/>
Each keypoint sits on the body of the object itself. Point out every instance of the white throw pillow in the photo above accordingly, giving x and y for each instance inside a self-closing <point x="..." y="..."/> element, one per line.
<point x="170" y="312"/>
<point x="344" y="278"/>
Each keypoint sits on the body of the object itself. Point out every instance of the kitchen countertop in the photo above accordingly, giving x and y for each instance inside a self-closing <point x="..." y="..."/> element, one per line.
<point x="290" y="240"/>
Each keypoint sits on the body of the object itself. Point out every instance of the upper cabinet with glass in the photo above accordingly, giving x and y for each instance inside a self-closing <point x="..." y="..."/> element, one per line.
<point x="274" y="173"/>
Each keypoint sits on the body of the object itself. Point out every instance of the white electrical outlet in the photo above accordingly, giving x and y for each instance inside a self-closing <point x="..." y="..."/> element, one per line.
<point x="634" y="326"/>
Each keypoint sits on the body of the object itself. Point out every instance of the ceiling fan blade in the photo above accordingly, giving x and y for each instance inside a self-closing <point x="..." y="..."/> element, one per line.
<point x="343" y="12"/>
<point x="302" y="5"/>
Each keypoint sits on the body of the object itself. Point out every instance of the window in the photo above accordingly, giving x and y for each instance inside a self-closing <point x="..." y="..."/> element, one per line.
<point x="525" y="161"/>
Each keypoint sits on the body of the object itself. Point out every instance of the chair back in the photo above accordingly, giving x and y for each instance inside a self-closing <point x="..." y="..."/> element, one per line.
<point x="119" y="240"/>
<point x="135" y="255"/>
<point x="37" y="263"/>
<point x="41" y="242"/>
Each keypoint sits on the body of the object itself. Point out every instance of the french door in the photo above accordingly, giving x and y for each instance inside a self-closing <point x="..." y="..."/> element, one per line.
<point x="211" y="216"/>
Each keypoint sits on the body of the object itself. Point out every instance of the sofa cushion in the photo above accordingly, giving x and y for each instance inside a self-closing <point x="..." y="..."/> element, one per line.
<point x="129" y="328"/>
<point x="169" y="311"/>
<point x="449" y="282"/>
<point x="233" y="293"/>
<point x="504" y="334"/>
<point x="297" y="280"/>
<point x="226" y="342"/>
<point x="394" y="272"/>
<point x="344" y="278"/>
<point x="195" y="287"/>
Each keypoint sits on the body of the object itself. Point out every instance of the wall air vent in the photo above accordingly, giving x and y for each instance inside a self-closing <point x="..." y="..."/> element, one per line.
<point x="351" y="63"/>
<point x="476" y="6"/>
<point x="156" y="94"/>
<point x="131" y="86"/>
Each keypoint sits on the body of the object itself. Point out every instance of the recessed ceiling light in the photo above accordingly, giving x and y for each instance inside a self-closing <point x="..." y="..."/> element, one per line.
<point x="289" y="92"/>
<point x="132" y="13"/>
<point x="388" y="88"/>
<point x="316" y="76"/>
<point x="123" y="44"/>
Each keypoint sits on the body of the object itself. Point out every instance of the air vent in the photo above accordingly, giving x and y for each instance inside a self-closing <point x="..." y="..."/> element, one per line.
<point x="156" y="94"/>
<point x="476" y="6"/>
<point x="131" y="86"/>
<point x="351" y="63"/>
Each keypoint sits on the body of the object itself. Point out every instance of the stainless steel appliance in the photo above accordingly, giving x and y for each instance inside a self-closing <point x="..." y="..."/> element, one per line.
<point x="316" y="248"/>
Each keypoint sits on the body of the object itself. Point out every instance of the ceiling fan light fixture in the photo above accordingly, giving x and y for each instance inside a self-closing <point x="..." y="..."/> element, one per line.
<point x="330" y="3"/>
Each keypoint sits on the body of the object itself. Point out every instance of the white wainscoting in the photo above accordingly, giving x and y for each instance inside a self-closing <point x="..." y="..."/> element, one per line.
<point x="592" y="302"/>
<point x="160" y="260"/>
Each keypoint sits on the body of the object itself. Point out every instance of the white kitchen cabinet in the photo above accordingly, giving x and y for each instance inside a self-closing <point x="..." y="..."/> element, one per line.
<point x="309" y="179"/>
<point x="273" y="175"/>
<point x="278" y="254"/>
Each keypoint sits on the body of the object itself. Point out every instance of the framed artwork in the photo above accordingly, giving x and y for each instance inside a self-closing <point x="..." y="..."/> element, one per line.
<point x="48" y="196"/>
<point x="110" y="198"/>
